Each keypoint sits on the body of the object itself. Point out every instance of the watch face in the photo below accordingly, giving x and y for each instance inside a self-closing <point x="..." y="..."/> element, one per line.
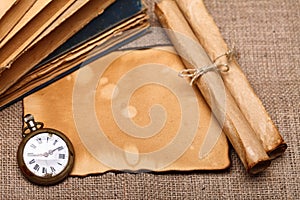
<point x="46" y="156"/>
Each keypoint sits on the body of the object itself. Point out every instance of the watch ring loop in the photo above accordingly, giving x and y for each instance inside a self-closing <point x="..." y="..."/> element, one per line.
<point x="37" y="125"/>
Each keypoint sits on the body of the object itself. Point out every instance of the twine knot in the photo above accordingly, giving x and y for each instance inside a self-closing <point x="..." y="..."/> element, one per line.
<point x="196" y="73"/>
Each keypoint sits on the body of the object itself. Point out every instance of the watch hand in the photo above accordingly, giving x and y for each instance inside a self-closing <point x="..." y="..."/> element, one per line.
<point x="34" y="155"/>
<point x="46" y="154"/>
<point x="51" y="151"/>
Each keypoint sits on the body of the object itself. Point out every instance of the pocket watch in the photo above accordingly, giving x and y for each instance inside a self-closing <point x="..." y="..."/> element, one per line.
<point x="45" y="156"/>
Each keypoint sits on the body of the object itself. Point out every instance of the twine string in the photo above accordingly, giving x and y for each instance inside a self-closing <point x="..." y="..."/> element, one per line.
<point x="196" y="73"/>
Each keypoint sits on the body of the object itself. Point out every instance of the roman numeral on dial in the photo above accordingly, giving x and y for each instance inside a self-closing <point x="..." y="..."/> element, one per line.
<point x="32" y="161"/>
<point x="39" y="140"/>
<point x="61" y="156"/>
<point x="52" y="169"/>
<point x="36" y="167"/>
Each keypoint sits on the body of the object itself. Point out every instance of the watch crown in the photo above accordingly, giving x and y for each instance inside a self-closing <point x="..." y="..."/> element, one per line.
<point x="28" y="117"/>
<point x="31" y="124"/>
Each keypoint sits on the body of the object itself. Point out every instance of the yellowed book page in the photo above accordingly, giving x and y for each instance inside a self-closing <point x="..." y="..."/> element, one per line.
<point x="48" y="44"/>
<point x="13" y="16"/>
<point x="10" y="51"/>
<point x="36" y="8"/>
<point x="67" y="61"/>
<point x="5" y="5"/>
<point x="69" y="12"/>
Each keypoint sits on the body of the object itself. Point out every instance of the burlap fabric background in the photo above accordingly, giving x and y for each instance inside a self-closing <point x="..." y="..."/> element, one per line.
<point x="266" y="34"/>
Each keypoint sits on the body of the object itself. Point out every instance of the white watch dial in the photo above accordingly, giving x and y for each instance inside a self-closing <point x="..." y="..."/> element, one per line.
<point x="46" y="155"/>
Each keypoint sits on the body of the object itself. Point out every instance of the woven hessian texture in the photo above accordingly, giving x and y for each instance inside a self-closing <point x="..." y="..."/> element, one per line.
<point x="266" y="34"/>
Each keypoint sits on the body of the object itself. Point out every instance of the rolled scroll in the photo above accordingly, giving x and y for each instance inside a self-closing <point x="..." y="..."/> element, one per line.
<point x="235" y="126"/>
<point x="235" y="80"/>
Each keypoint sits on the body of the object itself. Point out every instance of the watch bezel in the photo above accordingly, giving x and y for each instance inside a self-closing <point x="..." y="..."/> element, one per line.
<point x="45" y="180"/>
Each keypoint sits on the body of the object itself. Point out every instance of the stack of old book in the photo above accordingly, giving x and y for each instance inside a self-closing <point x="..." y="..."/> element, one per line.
<point x="41" y="41"/>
